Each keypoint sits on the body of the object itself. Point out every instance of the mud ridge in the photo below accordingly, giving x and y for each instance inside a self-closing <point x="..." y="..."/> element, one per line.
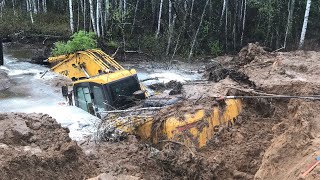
<point x="34" y="146"/>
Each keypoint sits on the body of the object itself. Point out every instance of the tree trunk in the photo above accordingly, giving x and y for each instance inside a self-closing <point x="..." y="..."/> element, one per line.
<point x="38" y="6"/>
<point x="44" y="6"/>
<point x="71" y="17"/>
<point x="223" y="12"/>
<point x="191" y="12"/>
<point x="30" y="11"/>
<point x="289" y="23"/>
<point x="170" y="14"/>
<point x="305" y="24"/>
<point x="34" y="6"/>
<point x="102" y="21"/>
<point x="234" y="28"/>
<point x="243" y="21"/>
<point x="159" y="19"/>
<point x="106" y="14"/>
<point x="1" y="53"/>
<point x="154" y="14"/>
<point x="14" y="8"/>
<point x="78" y="17"/>
<point x="84" y="14"/>
<point x="182" y="29"/>
<point x="195" y="36"/>
<point x="278" y="36"/>
<point x="134" y="17"/>
<point x="92" y="16"/>
<point x="171" y="27"/>
<point x="124" y="6"/>
<point x="226" y="26"/>
<point x="1" y="8"/>
<point x="241" y="14"/>
<point x="98" y="13"/>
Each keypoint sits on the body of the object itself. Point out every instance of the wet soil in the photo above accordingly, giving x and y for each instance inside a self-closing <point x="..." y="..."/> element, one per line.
<point x="272" y="139"/>
<point x="35" y="146"/>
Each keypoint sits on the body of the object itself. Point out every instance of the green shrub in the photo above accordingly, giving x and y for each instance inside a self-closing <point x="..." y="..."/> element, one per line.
<point x="215" y="48"/>
<point x="80" y="41"/>
<point x="112" y="44"/>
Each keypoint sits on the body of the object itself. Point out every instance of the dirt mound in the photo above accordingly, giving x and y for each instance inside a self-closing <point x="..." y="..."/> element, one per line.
<point x="125" y="158"/>
<point x="232" y="68"/>
<point x="34" y="146"/>
<point x="180" y="162"/>
<point x="273" y="139"/>
<point x="175" y="87"/>
<point x="292" y="73"/>
<point x="249" y="53"/>
<point x="139" y="161"/>
<point x="297" y="143"/>
<point x="291" y="153"/>
<point x="216" y="72"/>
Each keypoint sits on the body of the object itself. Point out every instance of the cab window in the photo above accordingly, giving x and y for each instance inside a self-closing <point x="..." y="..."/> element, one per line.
<point x="83" y="98"/>
<point x="98" y="98"/>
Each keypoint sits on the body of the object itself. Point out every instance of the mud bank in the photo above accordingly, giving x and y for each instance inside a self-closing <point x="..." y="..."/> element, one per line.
<point x="280" y="138"/>
<point x="272" y="139"/>
<point x="34" y="146"/>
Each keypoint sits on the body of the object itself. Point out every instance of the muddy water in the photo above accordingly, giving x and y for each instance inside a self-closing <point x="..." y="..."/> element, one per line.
<point x="30" y="92"/>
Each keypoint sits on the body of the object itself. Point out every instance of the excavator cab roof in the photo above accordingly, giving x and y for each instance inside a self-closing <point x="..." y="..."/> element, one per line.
<point x="107" y="78"/>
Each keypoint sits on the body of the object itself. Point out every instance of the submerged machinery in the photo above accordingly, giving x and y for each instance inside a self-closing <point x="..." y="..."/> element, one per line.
<point x="102" y="87"/>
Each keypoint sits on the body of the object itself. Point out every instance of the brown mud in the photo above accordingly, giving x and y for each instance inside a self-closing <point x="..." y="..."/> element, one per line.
<point x="34" y="146"/>
<point x="272" y="138"/>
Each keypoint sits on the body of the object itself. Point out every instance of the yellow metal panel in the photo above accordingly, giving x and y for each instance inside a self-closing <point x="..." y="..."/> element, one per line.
<point x="94" y="62"/>
<point x="107" y="78"/>
<point x="194" y="129"/>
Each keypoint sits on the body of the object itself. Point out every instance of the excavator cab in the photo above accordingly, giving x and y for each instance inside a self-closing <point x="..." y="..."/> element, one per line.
<point x="99" y="82"/>
<point x="96" y="97"/>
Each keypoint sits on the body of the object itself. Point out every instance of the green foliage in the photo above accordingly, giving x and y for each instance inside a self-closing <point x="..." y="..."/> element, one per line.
<point x="153" y="45"/>
<point x="215" y="48"/>
<point x="47" y="24"/>
<point x="265" y="22"/>
<point x="80" y="41"/>
<point x="112" y="44"/>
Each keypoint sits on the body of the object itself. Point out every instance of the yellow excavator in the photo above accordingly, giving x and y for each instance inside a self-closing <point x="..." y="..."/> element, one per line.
<point x="99" y="82"/>
<point x="102" y="87"/>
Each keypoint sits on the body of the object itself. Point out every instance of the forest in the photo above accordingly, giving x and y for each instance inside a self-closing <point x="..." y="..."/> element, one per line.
<point x="160" y="89"/>
<point x="185" y="28"/>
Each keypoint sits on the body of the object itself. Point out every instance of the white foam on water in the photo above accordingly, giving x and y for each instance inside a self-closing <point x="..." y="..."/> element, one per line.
<point x="165" y="76"/>
<point x="16" y="72"/>
<point x="80" y="123"/>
